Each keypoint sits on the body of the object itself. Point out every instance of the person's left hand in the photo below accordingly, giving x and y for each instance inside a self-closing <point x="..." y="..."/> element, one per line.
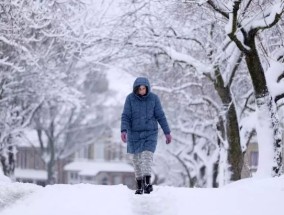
<point x="168" y="138"/>
<point x="124" y="136"/>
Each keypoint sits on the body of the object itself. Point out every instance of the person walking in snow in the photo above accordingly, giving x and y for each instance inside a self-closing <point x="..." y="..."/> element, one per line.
<point x="139" y="128"/>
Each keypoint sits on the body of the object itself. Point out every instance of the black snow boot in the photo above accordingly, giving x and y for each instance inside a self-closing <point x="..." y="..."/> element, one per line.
<point x="148" y="188"/>
<point x="139" y="184"/>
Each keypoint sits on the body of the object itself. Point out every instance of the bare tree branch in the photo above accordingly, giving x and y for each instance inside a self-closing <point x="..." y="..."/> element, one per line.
<point x="280" y="77"/>
<point x="235" y="69"/>
<point x="223" y="13"/>
<point x="232" y="34"/>
<point x="277" y="17"/>
<point x="246" y="7"/>
<point x="278" y="97"/>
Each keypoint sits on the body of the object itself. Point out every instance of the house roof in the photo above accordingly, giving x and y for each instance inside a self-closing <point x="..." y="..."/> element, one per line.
<point x="31" y="174"/>
<point x="92" y="168"/>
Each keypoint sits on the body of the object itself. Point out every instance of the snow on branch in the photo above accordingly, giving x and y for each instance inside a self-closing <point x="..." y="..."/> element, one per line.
<point x="14" y="44"/>
<point x="274" y="82"/>
<point x="197" y="133"/>
<point x="212" y="102"/>
<point x="232" y="56"/>
<point x="6" y="63"/>
<point x="31" y="114"/>
<point x="200" y="67"/>
<point x="267" y="18"/>
<point x="176" y="89"/>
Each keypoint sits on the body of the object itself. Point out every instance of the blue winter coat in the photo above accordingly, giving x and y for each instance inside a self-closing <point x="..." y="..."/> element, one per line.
<point x="140" y="119"/>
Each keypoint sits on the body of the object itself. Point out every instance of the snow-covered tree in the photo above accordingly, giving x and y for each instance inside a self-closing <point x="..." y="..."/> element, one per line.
<point x="65" y="124"/>
<point x="245" y="20"/>
<point x="40" y="42"/>
<point x="242" y="29"/>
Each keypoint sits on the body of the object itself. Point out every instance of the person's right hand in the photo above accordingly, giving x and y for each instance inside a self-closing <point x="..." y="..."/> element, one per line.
<point x="124" y="136"/>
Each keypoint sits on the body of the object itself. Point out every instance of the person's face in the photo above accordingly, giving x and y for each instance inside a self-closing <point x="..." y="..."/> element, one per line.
<point x="142" y="90"/>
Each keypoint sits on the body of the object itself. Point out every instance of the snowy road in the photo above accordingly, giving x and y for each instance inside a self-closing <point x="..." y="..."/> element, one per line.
<point x="245" y="197"/>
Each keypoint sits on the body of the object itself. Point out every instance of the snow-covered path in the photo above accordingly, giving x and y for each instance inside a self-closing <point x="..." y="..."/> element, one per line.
<point x="160" y="202"/>
<point x="88" y="199"/>
<point x="261" y="197"/>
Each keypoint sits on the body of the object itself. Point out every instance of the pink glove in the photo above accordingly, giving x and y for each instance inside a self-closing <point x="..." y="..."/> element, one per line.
<point x="168" y="138"/>
<point x="123" y="136"/>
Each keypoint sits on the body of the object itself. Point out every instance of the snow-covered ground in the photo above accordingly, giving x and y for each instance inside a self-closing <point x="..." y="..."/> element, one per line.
<point x="250" y="196"/>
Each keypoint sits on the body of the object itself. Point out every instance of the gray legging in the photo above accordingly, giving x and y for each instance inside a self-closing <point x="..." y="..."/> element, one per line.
<point x="143" y="164"/>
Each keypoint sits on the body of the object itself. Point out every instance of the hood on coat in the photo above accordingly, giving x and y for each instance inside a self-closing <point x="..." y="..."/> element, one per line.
<point x="142" y="81"/>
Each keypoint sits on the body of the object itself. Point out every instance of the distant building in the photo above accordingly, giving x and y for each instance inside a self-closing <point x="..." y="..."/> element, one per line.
<point x="100" y="172"/>
<point x="251" y="158"/>
<point x="113" y="167"/>
<point x="31" y="168"/>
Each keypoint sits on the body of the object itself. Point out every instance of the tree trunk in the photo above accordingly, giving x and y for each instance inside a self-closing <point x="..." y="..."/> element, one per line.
<point x="229" y="131"/>
<point x="235" y="154"/>
<point x="8" y="161"/>
<point x="268" y="131"/>
<point x="215" y="174"/>
<point x="50" y="165"/>
<point x="51" y="151"/>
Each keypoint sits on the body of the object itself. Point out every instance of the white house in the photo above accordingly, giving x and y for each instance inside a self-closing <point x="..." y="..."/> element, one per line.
<point x="100" y="172"/>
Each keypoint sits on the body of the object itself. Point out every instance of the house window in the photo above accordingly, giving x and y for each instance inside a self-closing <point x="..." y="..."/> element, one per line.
<point x="36" y="161"/>
<point x="88" y="178"/>
<point x="105" y="181"/>
<point x="99" y="151"/>
<point x="253" y="159"/>
<point x="74" y="175"/>
<point x="117" y="179"/>
<point x="23" y="160"/>
<point x="83" y="153"/>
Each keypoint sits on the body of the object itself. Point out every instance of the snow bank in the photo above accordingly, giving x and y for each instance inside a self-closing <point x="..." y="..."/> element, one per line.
<point x="245" y="197"/>
<point x="11" y="192"/>
<point x="4" y="179"/>
<point x="276" y="183"/>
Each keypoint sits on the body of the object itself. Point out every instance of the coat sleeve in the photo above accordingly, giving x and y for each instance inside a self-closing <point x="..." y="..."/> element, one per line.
<point x="126" y="115"/>
<point x="160" y="116"/>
